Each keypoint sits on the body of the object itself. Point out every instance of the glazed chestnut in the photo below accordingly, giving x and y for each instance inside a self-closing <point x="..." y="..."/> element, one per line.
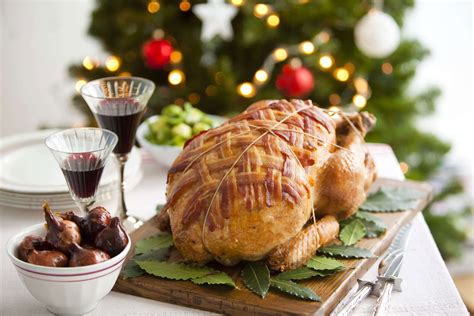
<point x="61" y="233"/>
<point x="96" y="220"/>
<point x="71" y="216"/>
<point x="85" y="256"/>
<point x="49" y="258"/>
<point x="30" y="243"/>
<point x="112" y="239"/>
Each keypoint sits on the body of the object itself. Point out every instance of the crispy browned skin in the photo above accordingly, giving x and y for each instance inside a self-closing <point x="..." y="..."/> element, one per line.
<point x="298" y="250"/>
<point x="348" y="173"/>
<point x="241" y="190"/>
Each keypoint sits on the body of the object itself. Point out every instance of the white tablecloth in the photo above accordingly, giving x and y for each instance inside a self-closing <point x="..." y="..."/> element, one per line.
<point x="427" y="287"/>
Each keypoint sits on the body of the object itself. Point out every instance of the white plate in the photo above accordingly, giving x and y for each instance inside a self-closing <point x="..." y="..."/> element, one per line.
<point x="27" y="166"/>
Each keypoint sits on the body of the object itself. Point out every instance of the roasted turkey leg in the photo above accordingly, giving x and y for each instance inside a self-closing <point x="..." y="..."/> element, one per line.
<point x="346" y="176"/>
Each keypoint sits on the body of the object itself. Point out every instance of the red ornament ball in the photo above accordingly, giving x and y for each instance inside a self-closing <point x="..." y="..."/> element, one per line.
<point x="295" y="82"/>
<point x="157" y="53"/>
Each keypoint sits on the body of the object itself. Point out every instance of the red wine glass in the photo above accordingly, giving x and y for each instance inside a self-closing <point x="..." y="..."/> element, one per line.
<point x="118" y="104"/>
<point x="81" y="154"/>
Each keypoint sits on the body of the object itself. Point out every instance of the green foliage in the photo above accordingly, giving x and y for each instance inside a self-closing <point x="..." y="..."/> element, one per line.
<point x="346" y="252"/>
<point x="256" y="277"/>
<point x="174" y="271"/>
<point x="295" y="289"/>
<point x="299" y="274"/>
<point x="320" y="263"/>
<point x="353" y="232"/>
<point x="449" y="233"/>
<point x="449" y="229"/>
<point x="392" y="200"/>
<point x="153" y="243"/>
<point x="215" y="278"/>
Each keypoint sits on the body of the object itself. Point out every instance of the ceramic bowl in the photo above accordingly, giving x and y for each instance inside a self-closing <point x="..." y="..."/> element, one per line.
<point x="75" y="290"/>
<point x="162" y="154"/>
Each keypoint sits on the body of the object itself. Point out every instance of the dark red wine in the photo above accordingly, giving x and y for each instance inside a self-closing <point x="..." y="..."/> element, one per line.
<point x="83" y="172"/>
<point x="122" y="117"/>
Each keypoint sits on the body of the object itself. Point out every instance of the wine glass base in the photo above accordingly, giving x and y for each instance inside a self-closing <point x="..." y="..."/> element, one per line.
<point x="131" y="223"/>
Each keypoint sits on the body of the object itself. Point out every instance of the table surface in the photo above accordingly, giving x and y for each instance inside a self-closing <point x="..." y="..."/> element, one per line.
<point x="428" y="289"/>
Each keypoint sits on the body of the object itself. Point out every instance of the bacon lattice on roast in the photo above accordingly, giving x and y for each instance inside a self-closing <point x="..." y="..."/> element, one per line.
<point x="265" y="148"/>
<point x="241" y="189"/>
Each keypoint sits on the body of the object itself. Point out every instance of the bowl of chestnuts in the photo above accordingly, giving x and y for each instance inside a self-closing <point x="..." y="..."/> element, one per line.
<point x="70" y="262"/>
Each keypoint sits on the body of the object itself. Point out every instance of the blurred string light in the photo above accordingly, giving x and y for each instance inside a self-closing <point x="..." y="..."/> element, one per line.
<point x="79" y="84"/>
<point x="261" y="76"/>
<point x="341" y="74"/>
<point x="359" y="101"/>
<point x="176" y="57"/>
<point x="404" y="167"/>
<point x="260" y="10"/>
<point x="175" y="77"/>
<point x="306" y="47"/>
<point x="326" y="61"/>
<point x="273" y="20"/>
<point x="280" y="54"/>
<point x="387" y="68"/>
<point x="153" y="6"/>
<point x="246" y="89"/>
<point x="112" y="63"/>
<point x="90" y="63"/>
<point x="361" y="85"/>
<point x="237" y="3"/>
<point x="184" y="5"/>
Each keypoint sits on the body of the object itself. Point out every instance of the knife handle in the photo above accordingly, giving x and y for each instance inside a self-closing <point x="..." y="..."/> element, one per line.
<point x="383" y="302"/>
<point x="345" y="308"/>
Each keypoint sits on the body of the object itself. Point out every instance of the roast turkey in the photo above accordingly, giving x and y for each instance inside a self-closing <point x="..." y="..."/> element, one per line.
<point x="270" y="183"/>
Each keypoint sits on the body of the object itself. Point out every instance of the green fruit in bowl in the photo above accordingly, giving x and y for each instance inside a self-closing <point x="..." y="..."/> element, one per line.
<point x="182" y="130"/>
<point x="200" y="127"/>
<point x="178" y="124"/>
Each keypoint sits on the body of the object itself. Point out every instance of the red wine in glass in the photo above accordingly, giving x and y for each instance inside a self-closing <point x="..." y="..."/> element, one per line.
<point x="82" y="172"/>
<point x="121" y="116"/>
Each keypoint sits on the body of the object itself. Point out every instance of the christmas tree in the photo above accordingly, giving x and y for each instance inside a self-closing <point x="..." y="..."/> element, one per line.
<point x="222" y="56"/>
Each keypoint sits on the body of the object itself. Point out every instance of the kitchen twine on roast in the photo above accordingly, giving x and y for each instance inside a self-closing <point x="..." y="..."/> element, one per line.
<point x="267" y="131"/>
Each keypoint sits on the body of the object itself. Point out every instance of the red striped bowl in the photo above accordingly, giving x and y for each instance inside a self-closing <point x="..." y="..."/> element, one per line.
<point x="75" y="290"/>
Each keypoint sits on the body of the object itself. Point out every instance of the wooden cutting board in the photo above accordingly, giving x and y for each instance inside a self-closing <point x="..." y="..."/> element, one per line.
<point x="222" y="299"/>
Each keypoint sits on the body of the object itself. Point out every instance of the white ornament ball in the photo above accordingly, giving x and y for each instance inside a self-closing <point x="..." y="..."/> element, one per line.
<point x="377" y="35"/>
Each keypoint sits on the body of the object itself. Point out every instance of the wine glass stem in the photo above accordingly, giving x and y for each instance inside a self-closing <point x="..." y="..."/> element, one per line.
<point x="122" y="160"/>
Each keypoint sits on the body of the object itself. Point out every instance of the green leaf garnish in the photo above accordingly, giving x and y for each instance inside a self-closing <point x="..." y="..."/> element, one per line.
<point x="392" y="200"/>
<point x="352" y="232"/>
<point x="174" y="271"/>
<point x="346" y="252"/>
<point x="370" y="218"/>
<point x="153" y="243"/>
<point x="256" y="277"/>
<point x="324" y="263"/>
<point x="131" y="270"/>
<point x="155" y="255"/>
<point x="299" y="274"/>
<point x="215" y="278"/>
<point x="295" y="289"/>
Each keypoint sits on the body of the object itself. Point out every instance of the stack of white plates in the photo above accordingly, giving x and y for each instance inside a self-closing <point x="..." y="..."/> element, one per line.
<point x="29" y="174"/>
